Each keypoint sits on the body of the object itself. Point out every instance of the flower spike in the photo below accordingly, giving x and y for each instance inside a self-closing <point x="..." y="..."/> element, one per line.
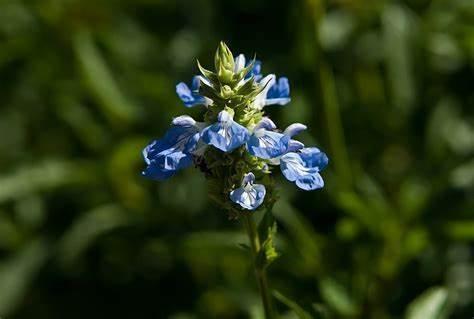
<point x="235" y="138"/>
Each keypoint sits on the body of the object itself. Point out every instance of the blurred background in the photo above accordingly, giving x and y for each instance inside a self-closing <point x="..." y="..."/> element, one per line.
<point x="386" y="88"/>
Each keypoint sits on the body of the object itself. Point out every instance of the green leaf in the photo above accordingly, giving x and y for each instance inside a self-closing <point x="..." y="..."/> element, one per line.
<point x="267" y="253"/>
<point x="337" y="297"/>
<point x="100" y="81"/>
<point x="43" y="176"/>
<point x="297" y="309"/>
<point x="87" y="228"/>
<point x="460" y="229"/>
<point x="432" y="304"/>
<point x="17" y="273"/>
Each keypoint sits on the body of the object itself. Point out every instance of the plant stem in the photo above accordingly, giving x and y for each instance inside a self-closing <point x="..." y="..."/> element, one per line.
<point x="260" y="272"/>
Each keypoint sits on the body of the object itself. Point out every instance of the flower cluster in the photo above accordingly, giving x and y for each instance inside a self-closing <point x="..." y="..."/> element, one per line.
<point x="235" y="144"/>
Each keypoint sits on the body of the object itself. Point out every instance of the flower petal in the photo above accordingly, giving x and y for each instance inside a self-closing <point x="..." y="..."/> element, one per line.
<point x="239" y="63"/>
<point x="294" y="129"/>
<point x="310" y="182"/>
<point x="279" y="93"/>
<point x="184" y="120"/>
<point x="261" y="99"/>
<point x="226" y="134"/>
<point x="303" y="168"/>
<point x="256" y="71"/>
<point x="295" y="145"/>
<point x="314" y="158"/>
<point x="266" y="124"/>
<point x="267" y="144"/>
<point x="191" y="97"/>
<point x="156" y="173"/>
<point x="249" y="178"/>
<point x="249" y="199"/>
<point x="292" y="166"/>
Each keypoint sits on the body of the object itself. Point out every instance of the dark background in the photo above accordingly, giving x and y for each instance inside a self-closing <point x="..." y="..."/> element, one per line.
<point x="385" y="88"/>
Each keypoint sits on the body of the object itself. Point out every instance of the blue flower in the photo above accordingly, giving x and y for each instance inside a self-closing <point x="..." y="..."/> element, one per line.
<point x="303" y="167"/>
<point x="279" y="93"/>
<point x="256" y="71"/>
<point x="191" y="97"/>
<point x="174" y="151"/>
<point x="226" y="134"/>
<point x="273" y="92"/>
<point x="265" y="142"/>
<point x="249" y="195"/>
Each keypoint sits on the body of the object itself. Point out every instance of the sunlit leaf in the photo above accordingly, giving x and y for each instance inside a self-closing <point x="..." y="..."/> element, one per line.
<point x="432" y="304"/>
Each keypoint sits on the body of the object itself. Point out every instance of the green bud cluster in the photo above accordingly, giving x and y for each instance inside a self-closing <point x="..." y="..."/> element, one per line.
<point x="229" y="92"/>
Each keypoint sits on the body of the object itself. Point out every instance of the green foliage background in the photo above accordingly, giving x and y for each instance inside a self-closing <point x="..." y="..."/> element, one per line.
<point x="386" y="88"/>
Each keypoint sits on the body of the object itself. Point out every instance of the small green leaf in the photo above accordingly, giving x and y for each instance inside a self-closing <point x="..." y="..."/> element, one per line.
<point x="268" y="253"/>
<point x="297" y="309"/>
<point x="432" y="304"/>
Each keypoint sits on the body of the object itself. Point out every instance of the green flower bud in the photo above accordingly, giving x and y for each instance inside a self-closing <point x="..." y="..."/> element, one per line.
<point x="225" y="75"/>
<point x="224" y="63"/>
<point x="226" y="92"/>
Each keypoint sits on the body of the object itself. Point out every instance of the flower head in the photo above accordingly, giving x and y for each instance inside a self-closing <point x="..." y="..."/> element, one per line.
<point x="249" y="195"/>
<point x="235" y="124"/>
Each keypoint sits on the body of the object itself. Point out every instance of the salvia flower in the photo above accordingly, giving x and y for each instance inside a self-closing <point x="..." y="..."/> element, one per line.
<point x="303" y="167"/>
<point x="226" y="134"/>
<point x="265" y="142"/>
<point x="174" y="151"/>
<point x="191" y="96"/>
<point x="249" y="195"/>
<point x="235" y="145"/>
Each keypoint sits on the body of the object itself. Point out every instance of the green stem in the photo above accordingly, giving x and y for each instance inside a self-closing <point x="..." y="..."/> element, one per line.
<point x="260" y="272"/>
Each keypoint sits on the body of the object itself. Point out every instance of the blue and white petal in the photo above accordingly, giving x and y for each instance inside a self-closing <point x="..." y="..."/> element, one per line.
<point x="279" y="92"/>
<point x="303" y="168"/>
<point x="294" y="129"/>
<point x="191" y="96"/>
<point x="256" y="71"/>
<point x="226" y="134"/>
<point x="265" y="143"/>
<point x="239" y="63"/>
<point x="261" y="99"/>
<point x="313" y="157"/>
<point x="163" y="162"/>
<point x="249" y="196"/>
<point x="310" y="182"/>
<point x="174" y="151"/>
